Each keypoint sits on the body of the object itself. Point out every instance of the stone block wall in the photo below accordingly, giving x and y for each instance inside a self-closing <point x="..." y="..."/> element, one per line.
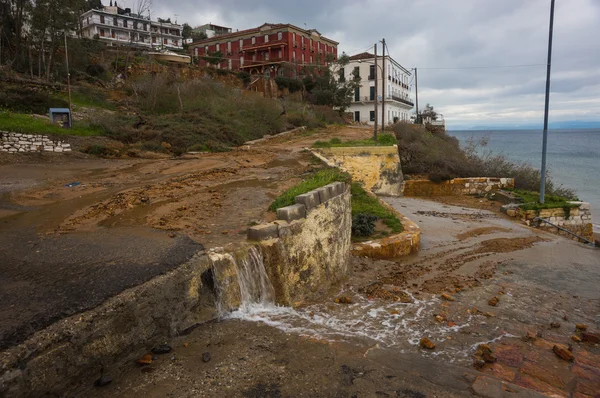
<point x="576" y="219"/>
<point x="456" y="186"/>
<point x="377" y="168"/>
<point x="21" y="142"/>
<point x="305" y="255"/>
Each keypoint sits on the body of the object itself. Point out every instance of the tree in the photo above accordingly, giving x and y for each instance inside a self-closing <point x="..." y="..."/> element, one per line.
<point x="325" y="86"/>
<point x="429" y="113"/>
<point x="213" y="58"/>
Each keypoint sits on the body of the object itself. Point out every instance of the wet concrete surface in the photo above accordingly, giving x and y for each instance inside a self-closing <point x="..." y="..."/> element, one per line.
<point x="370" y="348"/>
<point x="46" y="278"/>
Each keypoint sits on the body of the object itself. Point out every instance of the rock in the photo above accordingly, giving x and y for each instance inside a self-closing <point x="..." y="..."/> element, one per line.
<point x="530" y="336"/>
<point x="555" y="325"/>
<point x="439" y="318"/>
<point x="145" y="360"/>
<point x="206" y="357"/>
<point x="493" y="301"/>
<point x="563" y="353"/>
<point x="478" y="363"/>
<point x="581" y="326"/>
<point x="539" y="334"/>
<point x="484" y="352"/>
<point x="426" y="343"/>
<point x="343" y="300"/>
<point x="171" y="235"/>
<point x="576" y="338"/>
<point x="162" y="349"/>
<point x="104" y="380"/>
<point x="447" y="297"/>
<point x="591" y="337"/>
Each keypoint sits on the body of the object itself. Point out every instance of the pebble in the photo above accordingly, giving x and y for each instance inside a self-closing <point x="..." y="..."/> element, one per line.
<point x="493" y="301"/>
<point x="343" y="300"/>
<point x="576" y="338"/>
<point x="104" y="380"/>
<point x="206" y="357"/>
<point x="555" y="325"/>
<point x="426" y="343"/>
<point x="145" y="360"/>
<point x="162" y="349"/>
<point x="581" y="326"/>
<point x="563" y="353"/>
<point x="447" y="297"/>
<point x="591" y="337"/>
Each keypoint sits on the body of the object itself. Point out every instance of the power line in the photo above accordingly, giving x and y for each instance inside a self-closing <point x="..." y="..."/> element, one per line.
<point x="485" y="67"/>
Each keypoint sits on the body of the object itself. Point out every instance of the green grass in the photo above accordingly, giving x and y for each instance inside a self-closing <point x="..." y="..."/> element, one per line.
<point x="362" y="203"/>
<point x="531" y="200"/>
<point x="88" y="97"/>
<point x="382" y="140"/>
<point x="20" y="123"/>
<point x="314" y="181"/>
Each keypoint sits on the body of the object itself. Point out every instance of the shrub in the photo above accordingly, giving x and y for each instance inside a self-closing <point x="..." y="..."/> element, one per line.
<point x="363" y="225"/>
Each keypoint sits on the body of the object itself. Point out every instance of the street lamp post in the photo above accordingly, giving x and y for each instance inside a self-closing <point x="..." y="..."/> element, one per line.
<point x="375" y="99"/>
<point x="546" y="105"/>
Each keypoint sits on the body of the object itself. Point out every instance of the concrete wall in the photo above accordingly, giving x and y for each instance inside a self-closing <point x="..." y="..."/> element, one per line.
<point x="577" y="220"/>
<point x="306" y="257"/>
<point x="19" y="142"/>
<point x="457" y="186"/>
<point x="377" y="168"/>
<point x="70" y="353"/>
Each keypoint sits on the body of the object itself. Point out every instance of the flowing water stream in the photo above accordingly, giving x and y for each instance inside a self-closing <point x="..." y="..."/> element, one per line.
<point x="389" y="324"/>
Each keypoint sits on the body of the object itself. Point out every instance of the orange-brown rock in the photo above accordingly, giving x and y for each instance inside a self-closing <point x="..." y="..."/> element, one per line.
<point x="563" y="353"/>
<point x="426" y="343"/>
<point x="581" y="326"/>
<point x="484" y="352"/>
<point x="493" y="301"/>
<point x="530" y="336"/>
<point x="447" y="297"/>
<point x="576" y="338"/>
<point x="145" y="360"/>
<point x="343" y="300"/>
<point x="591" y="337"/>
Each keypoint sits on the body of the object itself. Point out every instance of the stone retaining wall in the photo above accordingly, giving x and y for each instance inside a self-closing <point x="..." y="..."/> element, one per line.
<point x="306" y="251"/>
<point x="376" y="167"/>
<point x="20" y="142"/>
<point x="456" y="186"/>
<point x="576" y="219"/>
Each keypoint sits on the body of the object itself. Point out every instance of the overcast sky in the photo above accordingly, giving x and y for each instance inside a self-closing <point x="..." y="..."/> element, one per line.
<point x="450" y="34"/>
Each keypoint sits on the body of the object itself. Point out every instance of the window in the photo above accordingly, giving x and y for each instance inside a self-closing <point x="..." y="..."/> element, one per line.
<point x="174" y="42"/>
<point x="228" y="46"/>
<point x="253" y="40"/>
<point x="357" y="116"/>
<point x="266" y="38"/>
<point x="165" y="41"/>
<point x="229" y="63"/>
<point x="342" y="75"/>
<point x="371" y="72"/>
<point x="357" y="94"/>
<point x="101" y="32"/>
<point x="241" y="43"/>
<point x="280" y="54"/>
<point x="217" y="47"/>
<point x="266" y="55"/>
<point x="253" y="57"/>
<point x="145" y="26"/>
<point x="101" y="18"/>
<point x="241" y="61"/>
<point x="302" y="57"/>
<point x="279" y="35"/>
<point x="115" y="22"/>
<point x="124" y="23"/>
<point x="153" y="39"/>
<point x="311" y="59"/>
<point x="372" y="93"/>
<point x="356" y="71"/>
<point x="294" y="56"/>
<point x="372" y="116"/>
<point x="205" y="49"/>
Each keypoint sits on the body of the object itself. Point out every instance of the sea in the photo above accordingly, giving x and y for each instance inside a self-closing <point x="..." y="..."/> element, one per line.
<point x="573" y="157"/>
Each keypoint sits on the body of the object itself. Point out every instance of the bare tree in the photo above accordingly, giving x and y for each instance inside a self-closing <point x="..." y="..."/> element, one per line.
<point x="141" y="7"/>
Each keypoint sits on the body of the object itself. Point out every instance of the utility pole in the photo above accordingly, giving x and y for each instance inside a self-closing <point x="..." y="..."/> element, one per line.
<point x="417" y="120"/>
<point x="375" y="99"/>
<point x="383" y="75"/>
<point x="68" y="79"/>
<point x="546" y="106"/>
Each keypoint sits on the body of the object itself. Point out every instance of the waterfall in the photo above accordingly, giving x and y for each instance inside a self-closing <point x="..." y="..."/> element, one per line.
<point x="241" y="282"/>
<point x="255" y="286"/>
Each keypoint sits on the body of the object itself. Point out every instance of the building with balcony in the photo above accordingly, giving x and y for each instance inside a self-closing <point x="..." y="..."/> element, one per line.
<point x="117" y="26"/>
<point x="268" y="50"/>
<point x="211" y="30"/>
<point x="396" y="78"/>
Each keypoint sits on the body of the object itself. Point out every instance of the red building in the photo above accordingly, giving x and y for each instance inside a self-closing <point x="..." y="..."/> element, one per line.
<point x="281" y="49"/>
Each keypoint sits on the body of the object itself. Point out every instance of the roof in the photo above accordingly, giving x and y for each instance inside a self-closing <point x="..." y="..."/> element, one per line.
<point x="366" y="55"/>
<point x="264" y="27"/>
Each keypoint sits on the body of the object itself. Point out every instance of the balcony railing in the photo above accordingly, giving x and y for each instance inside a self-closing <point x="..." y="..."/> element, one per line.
<point x="400" y="99"/>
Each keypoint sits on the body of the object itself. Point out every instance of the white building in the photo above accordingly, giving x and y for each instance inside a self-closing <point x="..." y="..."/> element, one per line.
<point x="117" y="26"/>
<point x="396" y="79"/>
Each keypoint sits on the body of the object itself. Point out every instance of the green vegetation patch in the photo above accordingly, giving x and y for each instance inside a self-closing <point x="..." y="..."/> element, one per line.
<point x="20" y="123"/>
<point x="382" y="140"/>
<point x="363" y="203"/>
<point x="531" y="201"/>
<point x="313" y="181"/>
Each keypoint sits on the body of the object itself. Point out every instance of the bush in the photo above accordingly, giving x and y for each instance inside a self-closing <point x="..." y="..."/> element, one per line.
<point x="363" y="225"/>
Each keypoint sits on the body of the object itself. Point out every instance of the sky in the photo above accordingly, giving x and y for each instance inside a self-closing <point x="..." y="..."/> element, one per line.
<point x="463" y="34"/>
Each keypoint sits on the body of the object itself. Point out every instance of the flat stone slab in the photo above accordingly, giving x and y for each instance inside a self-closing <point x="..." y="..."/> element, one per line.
<point x="310" y="200"/>
<point x="291" y="213"/>
<point x="323" y="194"/>
<point x="263" y="232"/>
